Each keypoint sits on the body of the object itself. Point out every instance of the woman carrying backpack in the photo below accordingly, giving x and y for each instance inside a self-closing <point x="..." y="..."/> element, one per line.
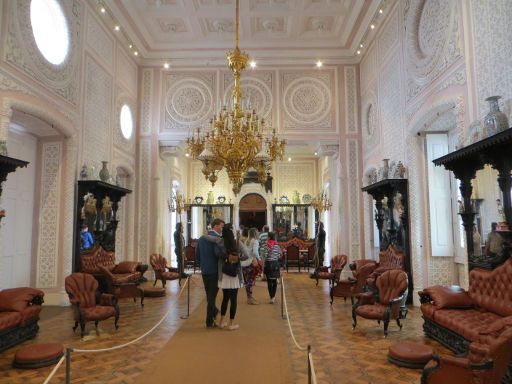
<point x="271" y="255"/>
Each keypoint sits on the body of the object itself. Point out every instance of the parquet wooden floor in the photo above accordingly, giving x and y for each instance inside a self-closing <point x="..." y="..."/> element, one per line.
<point x="340" y="354"/>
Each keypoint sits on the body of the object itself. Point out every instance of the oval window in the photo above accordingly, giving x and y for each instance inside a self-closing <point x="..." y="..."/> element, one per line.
<point x="126" y="120"/>
<point x="50" y="30"/>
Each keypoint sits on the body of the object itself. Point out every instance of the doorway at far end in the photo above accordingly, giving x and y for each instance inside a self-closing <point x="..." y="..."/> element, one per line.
<point x="252" y="211"/>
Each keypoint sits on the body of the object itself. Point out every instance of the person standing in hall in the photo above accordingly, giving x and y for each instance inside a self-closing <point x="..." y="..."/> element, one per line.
<point x="179" y="245"/>
<point x="208" y="255"/>
<point x="231" y="284"/>
<point x="320" y="245"/>
<point x="263" y="242"/>
<point x="251" y="266"/>
<point x="271" y="255"/>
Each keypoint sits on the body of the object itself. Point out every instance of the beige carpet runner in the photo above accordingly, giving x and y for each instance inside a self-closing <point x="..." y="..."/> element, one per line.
<point x="255" y="353"/>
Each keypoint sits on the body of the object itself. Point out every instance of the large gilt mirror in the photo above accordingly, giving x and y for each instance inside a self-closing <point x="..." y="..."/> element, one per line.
<point x="200" y="216"/>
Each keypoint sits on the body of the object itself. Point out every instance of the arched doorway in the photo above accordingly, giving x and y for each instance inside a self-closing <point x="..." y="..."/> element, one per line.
<point x="252" y="211"/>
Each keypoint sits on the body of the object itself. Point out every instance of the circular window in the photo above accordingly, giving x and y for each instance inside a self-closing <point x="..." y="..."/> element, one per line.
<point x="50" y="30"/>
<point x="126" y="120"/>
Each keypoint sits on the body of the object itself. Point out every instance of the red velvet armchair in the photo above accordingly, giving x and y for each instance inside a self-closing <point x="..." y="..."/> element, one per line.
<point x="292" y="257"/>
<point x="392" y="285"/>
<point x="352" y="286"/>
<point x="162" y="271"/>
<point x="485" y="364"/>
<point x="88" y="303"/>
<point x="333" y="272"/>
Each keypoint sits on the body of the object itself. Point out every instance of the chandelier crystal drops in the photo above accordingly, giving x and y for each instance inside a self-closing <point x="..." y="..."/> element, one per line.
<point x="234" y="139"/>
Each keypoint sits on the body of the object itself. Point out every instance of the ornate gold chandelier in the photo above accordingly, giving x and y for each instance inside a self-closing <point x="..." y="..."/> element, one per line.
<point x="234" y="140"/>
<point x="321" y="202"/>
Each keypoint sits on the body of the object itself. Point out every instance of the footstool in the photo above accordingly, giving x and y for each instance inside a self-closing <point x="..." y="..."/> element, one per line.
<point x="153" y="291"/>
<point x="38" y="355"/>
<point x="409" y="355"/>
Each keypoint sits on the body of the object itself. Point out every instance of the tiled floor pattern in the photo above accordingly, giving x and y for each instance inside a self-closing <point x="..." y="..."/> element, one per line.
<point x="340" y="354"/>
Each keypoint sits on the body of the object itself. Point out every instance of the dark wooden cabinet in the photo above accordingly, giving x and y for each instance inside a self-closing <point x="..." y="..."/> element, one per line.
<point x="96" y="206"/>
<point x="8" y="165"/>
<point x="464" y="163"/>
<point x="392" y="218"/>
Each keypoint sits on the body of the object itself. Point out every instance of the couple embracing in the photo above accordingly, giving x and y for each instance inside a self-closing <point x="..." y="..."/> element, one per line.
<point x="219" y="255"/>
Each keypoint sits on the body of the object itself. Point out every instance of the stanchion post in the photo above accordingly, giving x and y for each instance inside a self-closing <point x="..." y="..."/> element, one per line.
<point x="188" y="299"/>
<point x="68" y="365"/>
<point x="309" y="364"/>
<point x="282" y="300"/>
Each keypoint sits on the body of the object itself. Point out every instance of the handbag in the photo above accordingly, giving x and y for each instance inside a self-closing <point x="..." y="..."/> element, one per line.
<point x="230" y="269"/>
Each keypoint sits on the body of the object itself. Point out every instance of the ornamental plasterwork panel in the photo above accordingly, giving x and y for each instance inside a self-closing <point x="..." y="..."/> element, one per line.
<point x="200" y="186"/>
<point x="308" y="101"/>
<point x="144" y="203"/>
<point x="257" y="90"/>
<point x="492" y="52"/>
<point x="97" y="118"/>
<point x="351" y="122"/>
<point x="48" y="244"/>
<point x="21" y="50"/>
<point x="441" y="271"/>
<point x="126" y="71"/>
<point x="120" y="141"/>
<point x="295" y="176"/>
<point x="370" y="119"/>
<point x="353" y="197"/>
<point x="146" y="101"/>
<point x="99" y="42"/>
<point x="70" y="161"/>
<point x="368" y="67"/>
<point x="388" y="39"/>
<point x="189" y="99"/>
<point x="432" y="41"/>
<point x="390" y="110"/>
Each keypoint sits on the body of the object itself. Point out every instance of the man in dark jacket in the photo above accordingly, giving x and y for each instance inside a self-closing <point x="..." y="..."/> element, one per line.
<point x="207" y="255"/>
<point x="179" y="244"/>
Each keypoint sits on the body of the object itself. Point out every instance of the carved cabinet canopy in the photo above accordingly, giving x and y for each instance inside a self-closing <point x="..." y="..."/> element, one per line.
<point x="464" y="163"/>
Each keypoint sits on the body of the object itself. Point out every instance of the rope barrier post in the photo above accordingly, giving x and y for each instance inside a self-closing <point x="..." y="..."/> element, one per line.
<point x="309" y="364"/>
<point x="68" y="365"/>
<point x="282" y="300"/>
<point x="188" y="299"/>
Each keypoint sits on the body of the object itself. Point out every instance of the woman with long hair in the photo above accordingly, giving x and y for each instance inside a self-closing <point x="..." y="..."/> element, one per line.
<point x="236" y="251"/>
<point x="251" y="267"/>
<point x="271" y="255"/>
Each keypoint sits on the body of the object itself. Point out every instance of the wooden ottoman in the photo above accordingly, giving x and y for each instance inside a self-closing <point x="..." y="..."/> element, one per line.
<point x="153" y="291"/>
<point x="410" y="355"/>
<point x="38" y="355"/>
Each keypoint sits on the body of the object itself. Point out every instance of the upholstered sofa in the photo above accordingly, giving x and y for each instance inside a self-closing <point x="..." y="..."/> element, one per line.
<point x="19" y="314"/>
<point x="456" y="317"/>
<point x="124" y="271"/>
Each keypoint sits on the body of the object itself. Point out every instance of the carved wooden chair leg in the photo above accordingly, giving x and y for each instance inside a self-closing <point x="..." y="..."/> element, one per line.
<point x="82" y="329"/>
<point x="352" y="299"/>
<point x="386" y="324"/>
<point x="116" y="318"/>
<point x="316" y="277"/>
<point x="96" y="324"/>
<point x="76" y="326"/>
<point x="155" y="282"/>
<point x="332" y="297"/>
<point x="398" y="323"/>
<point x="163" y="282"/>
<point x="354" y="319"/>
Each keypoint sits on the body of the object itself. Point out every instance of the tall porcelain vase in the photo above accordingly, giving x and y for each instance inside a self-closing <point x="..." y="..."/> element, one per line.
<point x="104" y="174"/>
<point x="495" y="121"/>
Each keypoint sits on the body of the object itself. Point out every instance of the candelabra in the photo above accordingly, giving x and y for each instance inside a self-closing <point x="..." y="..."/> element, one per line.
<point x="321" y="203"/>
<point x="176" y="203"/>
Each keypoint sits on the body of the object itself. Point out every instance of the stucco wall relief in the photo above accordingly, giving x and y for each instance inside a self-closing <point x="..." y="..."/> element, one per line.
<point x="189" y="100"/>
<point x="432" y="41"/>
<point x="21" y="49"/>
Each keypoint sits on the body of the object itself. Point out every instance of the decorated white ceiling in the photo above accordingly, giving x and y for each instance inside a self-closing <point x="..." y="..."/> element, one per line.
<point x="272" y="31"/>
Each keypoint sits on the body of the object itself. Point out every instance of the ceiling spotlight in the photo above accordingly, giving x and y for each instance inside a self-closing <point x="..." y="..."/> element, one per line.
<point x="358" y="52"/>
<point x="380" y="10"/>
<point x="187" y="155"/>
<point x="319" y="64"/>
<point x="166" y="65"/>
<point x="136" y="53"/>
<point x="289" y="159"/>
<point x="316" y="153"/>
<point x="117" y="28"/>
<point x="372" y="26"/>
<point x="360" y="45"/>
<point x="252" y="64"/>
<point x="130" y="46"/>
<point x="103" y="10"/>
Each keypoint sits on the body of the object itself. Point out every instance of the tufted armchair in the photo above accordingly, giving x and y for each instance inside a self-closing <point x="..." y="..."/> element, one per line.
<point x="88" y="303"/>
<point x="122" y="285"/>
<point x="352" y="286"/>
<point x="333" y="272"/>
<point x="392" y="285"/>
<point x="162" y="271"/>
<point x="485" y="364"/>
<point x="359" y="263"/>
<point x="391" y="258"/>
